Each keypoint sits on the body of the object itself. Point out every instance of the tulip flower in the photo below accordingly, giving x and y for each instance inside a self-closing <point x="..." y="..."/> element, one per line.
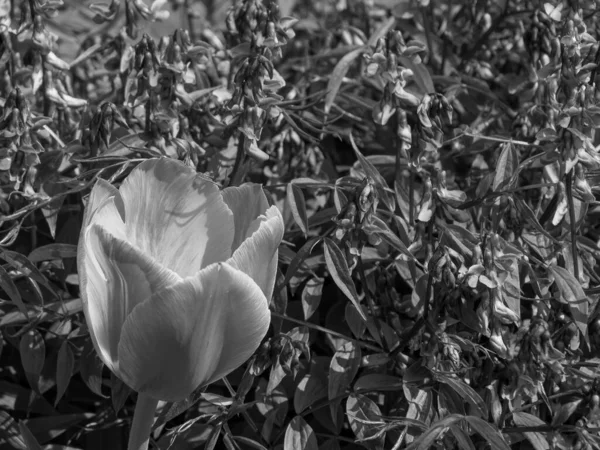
<point x="175" y="277"/>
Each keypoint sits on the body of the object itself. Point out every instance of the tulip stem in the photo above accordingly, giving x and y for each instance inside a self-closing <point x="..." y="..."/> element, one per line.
<point x="143" y="417"/>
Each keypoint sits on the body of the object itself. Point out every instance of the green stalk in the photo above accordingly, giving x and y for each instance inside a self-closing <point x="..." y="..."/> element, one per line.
<point x="143" y="418"/>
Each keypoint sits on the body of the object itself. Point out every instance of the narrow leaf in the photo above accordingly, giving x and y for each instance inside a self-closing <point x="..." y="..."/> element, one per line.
<point x="64" y="369"/>
<point x="33" y="353"/>
<point x="488" y="432"/>
<point x="338" y="74"/>
<point x="53" y="251"/>
<point x="338" y="267"/>
<point x="311" y="296"/>
<point x="8" y="286"/>
<point x="295" y="198"/>
<point x="537" y="440"/>
<point x="573" y="294"/>
<point x="342" y="370"/>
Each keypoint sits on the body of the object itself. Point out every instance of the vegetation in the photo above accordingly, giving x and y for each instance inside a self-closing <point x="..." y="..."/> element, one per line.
<point x="436" y="164"/>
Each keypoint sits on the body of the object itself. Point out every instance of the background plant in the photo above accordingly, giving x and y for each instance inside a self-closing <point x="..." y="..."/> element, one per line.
<point x="436" y="163"/>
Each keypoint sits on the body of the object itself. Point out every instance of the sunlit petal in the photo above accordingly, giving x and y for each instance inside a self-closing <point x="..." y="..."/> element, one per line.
<point x="119" y="277"/>
<point x="176" y="216"/>
<point x="257" y="255"/>
<point x="247" y="202"/>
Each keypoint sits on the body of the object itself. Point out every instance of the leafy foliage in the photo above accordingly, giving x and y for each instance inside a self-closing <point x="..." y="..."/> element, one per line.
<point x="437" y="166"/>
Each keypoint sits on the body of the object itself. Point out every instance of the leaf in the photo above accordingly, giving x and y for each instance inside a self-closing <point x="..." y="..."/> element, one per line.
<point x="537" y="440"/>
<point x="381" y="31"/>
<point x="10" y="434"/>
<point x="91" y="370"/>
<point x="338" y="267"/>
<point x="29" y="439"/>
<point x="426" y="440"/>
<point x="8" y="286"/>
<point x="33" y="353"/>
<point x="488" y="432"/>
<point x="298" y="259"/>
<point x="64" y="369"/>
<point x="342" y="370"/>
<point x="249" y="442"/>
<point x="53" y="251"/>
<point x="573" y="294"/>
<point x="466" y="392"/>
<point x="421" y="74"/>
<point x="462" y="438"/>
<point x="564" y="411"/>
<point x="18" y="398"/>
<point x="555" y="12"/>
<point x="299" y="436"/>
<point x="295" y="198"/>
<point x="311" y="388"/>
<point x="365" y="420"/>
<point x="338" y="74"/>
<point x="20" y="262"/>
<point x="505" y="166"/>
<point x="371" y="171"/>
<point x="355" y="321"/>
<point x="311" y="296"/>
<point x="378" y="382"/>
<point x="46" y="428"/>
<point x="119" y="392"/>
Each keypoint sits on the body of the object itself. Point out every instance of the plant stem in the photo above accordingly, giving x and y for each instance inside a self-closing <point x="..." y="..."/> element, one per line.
<point x="569" y="186"/>
<point x="143" y="417"/>
<point x="237" y="175"/>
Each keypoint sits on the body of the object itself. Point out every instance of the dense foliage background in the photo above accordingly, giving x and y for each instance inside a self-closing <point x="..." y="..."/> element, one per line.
<point x="437" y="166"/>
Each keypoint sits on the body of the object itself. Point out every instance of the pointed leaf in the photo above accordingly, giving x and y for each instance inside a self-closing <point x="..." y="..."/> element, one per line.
<point x="299" y="436"/>
<point x="365" y="420"/>
<point x="53" y="251"/>
<point x="311" y="296"/>
<point x="537" y="440"/>
<point x="573" y="294"/>
<point x="338" y="74"/>
<point x="298" y="259"/>
<point x="338" y="267"/>
<point x="8" y="286"/>
<point x="33" y="354"/>
<point x="342" y="370"/>
<point x="488" y="432"/>
<point x="467" y="393"/>
<point x="64" y="369"/>
<point x="371" y="171"/>
<point x="28" y="437"/>
<point x="505" y="166"/>
<point x="295" y="198"/>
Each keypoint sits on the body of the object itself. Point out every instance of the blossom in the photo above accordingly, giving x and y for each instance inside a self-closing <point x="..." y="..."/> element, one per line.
<point x="176" y="276"/>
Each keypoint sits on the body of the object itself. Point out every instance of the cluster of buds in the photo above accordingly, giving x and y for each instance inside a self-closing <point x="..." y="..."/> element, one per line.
<point x="282" y="349"/>
<point x="101" y="127"/>
<point x="306" y="157"/>
<point x="260" y="32"/>
<point x="260" y="24"/>
<point x="384" y="63"/>
<point x="135" y="10"/>
<point x="354" y="219"/>
<point x="19" y="146"/>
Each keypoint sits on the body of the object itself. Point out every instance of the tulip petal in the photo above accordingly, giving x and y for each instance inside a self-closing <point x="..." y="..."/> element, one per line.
<point x="104" y="206"/>
<point x="101" y="192"/>
<point x="257" y="255"/>
<point x="192" y="333"/>
<point x="247" y="202"/>
<point x="176" y="216"/>
<point x="119" y="277"/>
